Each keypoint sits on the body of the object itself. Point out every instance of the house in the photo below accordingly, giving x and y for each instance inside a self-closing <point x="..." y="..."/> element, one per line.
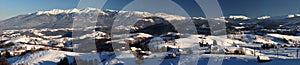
<point x="142" y="53"/>
<point x="216" y="49"/>
<point x="234" y="50"/>
<point x="129" y="40"/>
<point x="263" y="59"/>
<point x="133" y="48"/>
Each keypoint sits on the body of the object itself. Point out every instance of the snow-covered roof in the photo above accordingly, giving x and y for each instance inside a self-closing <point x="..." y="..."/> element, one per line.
<point x="140" y="35"/>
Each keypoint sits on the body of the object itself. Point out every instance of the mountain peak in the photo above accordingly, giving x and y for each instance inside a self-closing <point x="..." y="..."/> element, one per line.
<point x="263" y="17"/>
<point x="239" y="17"/>
<point x="74" y="10"/>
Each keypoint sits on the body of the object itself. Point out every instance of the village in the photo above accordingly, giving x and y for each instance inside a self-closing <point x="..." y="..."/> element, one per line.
<point x="172" y="45"/>
<point x="261" y="47"/>
<point x="20" y="42"/>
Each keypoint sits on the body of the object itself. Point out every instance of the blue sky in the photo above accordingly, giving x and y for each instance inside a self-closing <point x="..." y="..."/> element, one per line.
<point x="10" y="8"/>
<point x="251" y="8"/>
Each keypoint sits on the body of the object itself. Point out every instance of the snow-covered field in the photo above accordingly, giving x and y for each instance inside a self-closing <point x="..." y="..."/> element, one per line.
<point x="41" y="57"/>
<point x="189" y="52"/>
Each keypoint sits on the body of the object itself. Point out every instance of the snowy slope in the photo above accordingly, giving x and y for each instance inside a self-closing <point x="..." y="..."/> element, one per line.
<point x="295" y="38"/>
<point x="41" y="57"/>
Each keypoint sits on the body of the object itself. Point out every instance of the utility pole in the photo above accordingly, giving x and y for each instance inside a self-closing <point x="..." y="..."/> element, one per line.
<point x="297" y="53"/>
<point x="276" y="48"/>
<point x="277" y="53"/>
<point x="254" y="52"/>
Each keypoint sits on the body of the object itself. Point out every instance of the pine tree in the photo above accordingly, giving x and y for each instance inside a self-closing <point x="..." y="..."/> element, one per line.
<point x="63" y="61"/>
<point x="215" y="43"/>
<point x="7" y="54"/>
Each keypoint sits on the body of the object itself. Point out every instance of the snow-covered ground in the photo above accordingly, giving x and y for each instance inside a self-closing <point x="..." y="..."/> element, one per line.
<point x="41" y="57"/>
<point x="49" y="57"/>
<point x="191" y="53"/>
<point x="295" y="38"/>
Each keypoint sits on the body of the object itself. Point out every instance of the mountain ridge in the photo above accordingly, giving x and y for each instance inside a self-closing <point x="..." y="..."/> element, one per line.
<point x="57" y="18"/>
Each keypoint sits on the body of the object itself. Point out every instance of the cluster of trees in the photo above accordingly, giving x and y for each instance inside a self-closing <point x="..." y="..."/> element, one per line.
<point x="65" y="61"/>
<point x="6" y="54"/>
<point x="267" y="46"/>
<point x="6" y="45"/>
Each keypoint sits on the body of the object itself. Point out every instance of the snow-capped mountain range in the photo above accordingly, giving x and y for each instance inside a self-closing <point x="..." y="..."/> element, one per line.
<point x="106" y="12"/>
<point x="58" y="18"/>
<point x="86" y="10"/>
<point x="74" y="10"/>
